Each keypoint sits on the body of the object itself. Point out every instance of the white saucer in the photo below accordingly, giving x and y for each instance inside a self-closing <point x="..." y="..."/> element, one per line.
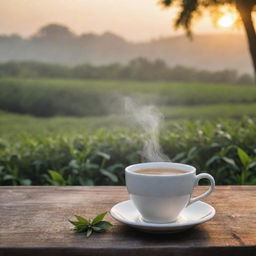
<point x="197" y="213"/>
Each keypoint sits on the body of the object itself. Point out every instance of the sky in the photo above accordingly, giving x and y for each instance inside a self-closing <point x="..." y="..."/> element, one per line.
<point x="135" y="20"/>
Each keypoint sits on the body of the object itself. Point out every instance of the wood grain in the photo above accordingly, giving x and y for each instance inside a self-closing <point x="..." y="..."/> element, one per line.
<point x="33" y="221"/>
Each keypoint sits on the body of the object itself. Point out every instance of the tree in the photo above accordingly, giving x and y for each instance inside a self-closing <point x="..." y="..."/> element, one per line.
<point x="54" y="31"/>
<point x="188" y="9"/>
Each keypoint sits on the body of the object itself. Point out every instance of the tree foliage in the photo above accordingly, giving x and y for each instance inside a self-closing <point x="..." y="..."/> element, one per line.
<point x="137" y="69"/>
<point x="54" y="30"/>
<point x="188" y="9"/>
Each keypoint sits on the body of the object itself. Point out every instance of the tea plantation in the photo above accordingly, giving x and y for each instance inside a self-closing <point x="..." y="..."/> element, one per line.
<point x="46" y="97"/>
<point x="74" y="132"/>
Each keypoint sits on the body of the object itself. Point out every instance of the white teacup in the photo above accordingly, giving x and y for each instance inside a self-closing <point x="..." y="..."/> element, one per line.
<point x="160" y="198"/>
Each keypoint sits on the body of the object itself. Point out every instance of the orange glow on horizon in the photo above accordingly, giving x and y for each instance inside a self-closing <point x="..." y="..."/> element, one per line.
<point x="135" y="20"/>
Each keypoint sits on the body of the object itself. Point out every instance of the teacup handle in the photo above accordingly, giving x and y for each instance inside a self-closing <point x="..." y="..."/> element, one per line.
<point x="208" y="192"/>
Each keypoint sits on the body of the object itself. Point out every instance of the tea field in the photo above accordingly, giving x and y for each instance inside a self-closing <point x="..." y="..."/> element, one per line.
<point x="16" y="125"/>
<point x="46" y="98"/>
<point x="71" y="132"/>
<point x="94" y="151"/>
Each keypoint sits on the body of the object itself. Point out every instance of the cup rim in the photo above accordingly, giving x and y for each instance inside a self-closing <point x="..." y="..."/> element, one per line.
<point x="188" y="169"/>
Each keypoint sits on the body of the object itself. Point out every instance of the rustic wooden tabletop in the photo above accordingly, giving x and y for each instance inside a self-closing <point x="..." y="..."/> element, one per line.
<point x="33" y="221"/>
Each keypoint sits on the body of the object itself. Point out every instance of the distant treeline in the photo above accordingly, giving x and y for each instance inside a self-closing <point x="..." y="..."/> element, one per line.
<point x="139" y="69"/>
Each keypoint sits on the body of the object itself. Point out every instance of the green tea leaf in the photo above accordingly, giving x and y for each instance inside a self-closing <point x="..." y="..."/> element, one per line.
<point x="75" y="223"/>
<point x="110" y="175"/>
<point x="57" y="178"/>
<point x="252" y="164"/>
<point x="103" y="155"/>
<point x="82" y="220"/>
<point x="178" y="156"/>
<point x="103" y="225"/>
<point x="81" y="228"/>
<point x="97" y="229"/>
<point x="212" y="160"/>
<point x="114" y="167"/>
<point x="89" y="232"/>
<point x="87" y="227"/>
<point x="99" y="218"/>
<point x="230" y="161"/>
<point x="244" y="157"/>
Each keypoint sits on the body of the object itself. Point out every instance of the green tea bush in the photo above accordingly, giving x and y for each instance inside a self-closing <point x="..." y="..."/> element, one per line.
<point x="226" y="149"/>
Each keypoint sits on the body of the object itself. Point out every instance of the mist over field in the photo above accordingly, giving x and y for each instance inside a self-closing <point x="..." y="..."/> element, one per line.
<point x="58" y="44"/>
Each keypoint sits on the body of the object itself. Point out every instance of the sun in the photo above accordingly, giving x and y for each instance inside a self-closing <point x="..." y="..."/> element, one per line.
<point x="227" y="20"/>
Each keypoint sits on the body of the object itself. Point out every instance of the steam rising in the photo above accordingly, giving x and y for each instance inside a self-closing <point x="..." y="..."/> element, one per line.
<point x="149" y="119"/>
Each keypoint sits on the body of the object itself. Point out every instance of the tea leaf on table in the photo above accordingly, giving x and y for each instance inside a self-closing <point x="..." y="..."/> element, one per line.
<point x="99" y="218"/>
<point x="83" y="225"/>
<point x="82" y="220"/>
<point x="75" y="223"/>
<point x="102" y="225"/>
<point x="88" y="232"/>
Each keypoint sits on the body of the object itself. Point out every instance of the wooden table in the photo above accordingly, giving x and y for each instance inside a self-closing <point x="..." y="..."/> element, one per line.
<point x="33" y="221"/>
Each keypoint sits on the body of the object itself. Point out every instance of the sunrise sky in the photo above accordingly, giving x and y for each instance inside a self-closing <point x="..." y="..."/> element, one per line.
<point x="135" y="20"/>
